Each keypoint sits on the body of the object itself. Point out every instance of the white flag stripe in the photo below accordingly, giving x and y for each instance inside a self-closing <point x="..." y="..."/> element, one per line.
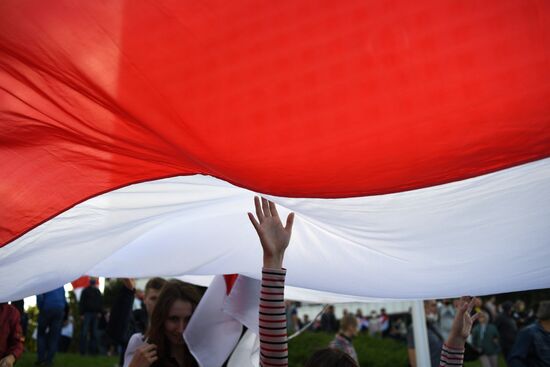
<point x="483" y="235"/>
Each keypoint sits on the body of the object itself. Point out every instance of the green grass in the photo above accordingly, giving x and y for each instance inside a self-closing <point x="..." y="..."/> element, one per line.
<point x="372" y="352"/>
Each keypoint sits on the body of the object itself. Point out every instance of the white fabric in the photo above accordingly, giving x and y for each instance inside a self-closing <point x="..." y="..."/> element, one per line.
<point x="247" y="353"/>
<point x="212" y="334"/>
<point x="488" y="234"/>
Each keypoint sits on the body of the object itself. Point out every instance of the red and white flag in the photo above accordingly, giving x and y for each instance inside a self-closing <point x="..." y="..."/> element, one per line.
<point x="411" y="138"/>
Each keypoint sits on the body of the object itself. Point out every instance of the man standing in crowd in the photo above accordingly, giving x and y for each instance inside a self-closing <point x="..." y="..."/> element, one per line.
<point x="91" y="306"/>
<point x="11" y="339"/>
<point x="328" y="320"/>
<point x="51" y="306"/>
<point x="532" y="346"/>
<point x="435" y="339"/>
<point x="507" y="328"/>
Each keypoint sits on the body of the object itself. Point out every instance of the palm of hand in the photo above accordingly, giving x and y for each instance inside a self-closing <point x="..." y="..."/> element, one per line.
<point x="273" y="236"/>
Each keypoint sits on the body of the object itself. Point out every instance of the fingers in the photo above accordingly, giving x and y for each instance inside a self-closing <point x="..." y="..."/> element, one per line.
<point x="259" y="212"/>
<point x="254" y="222"/>
<point x="273" y="209"/>
<point x="289" y="222"/>
<point x="265" y="207"/>
<point x="471" y="305"/>
<point x="476" y="316"/>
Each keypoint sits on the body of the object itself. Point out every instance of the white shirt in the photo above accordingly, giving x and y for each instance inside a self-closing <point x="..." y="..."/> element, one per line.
<point x="134" y="343"/>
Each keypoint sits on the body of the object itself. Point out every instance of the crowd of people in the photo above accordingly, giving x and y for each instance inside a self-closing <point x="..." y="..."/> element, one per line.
<point x="153" y="335"/>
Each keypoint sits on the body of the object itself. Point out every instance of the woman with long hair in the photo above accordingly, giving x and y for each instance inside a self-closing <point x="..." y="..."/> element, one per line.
<point x="163" y="344"/>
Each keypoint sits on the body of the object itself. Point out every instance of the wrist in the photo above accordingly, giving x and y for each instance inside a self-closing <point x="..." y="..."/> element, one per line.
<point x="455" y="342"/>
<point x="273" y="261"/>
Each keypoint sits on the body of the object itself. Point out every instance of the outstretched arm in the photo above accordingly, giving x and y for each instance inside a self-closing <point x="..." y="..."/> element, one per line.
<point x="452" y="353"/>
<point x="274" y="239"/>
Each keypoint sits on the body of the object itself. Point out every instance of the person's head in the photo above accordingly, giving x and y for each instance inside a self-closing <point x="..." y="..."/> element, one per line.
<point x="152" y="291"/>
<point x="93" y="281"/>
<point x="330" y="309"/>
<point x="519" y="306"/>
<point x="348" y="325"/>
<point x="306" y="318"/>
<point x="359" y="313"/>
<point x="507" y="307"/>
<point x="329" y="357"/>
<point x="173" y="309"/>
<point x="483" y="317"/>
<point x="382" y="311"/>
<point x="430" y="308"/>
<point x="543" y="312"/>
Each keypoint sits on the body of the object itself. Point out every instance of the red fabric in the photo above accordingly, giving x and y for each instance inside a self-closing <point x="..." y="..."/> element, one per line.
<point x="230" y="280"/>
<point x="293" y="98"/>
<point x="11" y="335"/>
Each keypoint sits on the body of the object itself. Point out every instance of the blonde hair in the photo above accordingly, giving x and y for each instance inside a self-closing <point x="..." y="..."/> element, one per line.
<point x="348" y="321"/>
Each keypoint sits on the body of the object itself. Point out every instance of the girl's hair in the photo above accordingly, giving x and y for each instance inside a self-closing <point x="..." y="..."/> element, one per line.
<point x="172" y="291"/>
<point x="329" y="357"/>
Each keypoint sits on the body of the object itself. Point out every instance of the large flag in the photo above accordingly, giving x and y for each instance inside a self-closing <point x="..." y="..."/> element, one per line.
<point x="411" y="138"/>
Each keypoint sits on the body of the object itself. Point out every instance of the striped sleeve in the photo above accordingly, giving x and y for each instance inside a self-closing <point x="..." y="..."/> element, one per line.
<point x="273" y="338"/>
<point x="451" y="357"/>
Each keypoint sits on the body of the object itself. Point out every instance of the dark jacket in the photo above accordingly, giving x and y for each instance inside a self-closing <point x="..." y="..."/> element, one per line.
<point x="507" y="330"/>
<point x="488" y="344"/>
<point x="11" y="338"/>
<point x="91" y="300"/>
<point x="532" y="348"/>
<point x="124" y="322"/>
<point x="52" y="300"/>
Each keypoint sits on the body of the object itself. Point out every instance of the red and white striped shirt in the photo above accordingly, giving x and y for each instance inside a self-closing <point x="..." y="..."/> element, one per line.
<point x="273" y="337"/>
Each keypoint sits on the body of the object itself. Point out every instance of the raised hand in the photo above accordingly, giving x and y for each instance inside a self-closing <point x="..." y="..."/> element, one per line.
<point x="462" y="323"/>
<point x="273" y="236"/>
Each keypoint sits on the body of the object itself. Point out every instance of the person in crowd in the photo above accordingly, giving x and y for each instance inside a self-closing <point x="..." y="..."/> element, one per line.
<point x="163" y="344"/>
<point x="532" y="346"/>
<point x="66" y="334"/>
<point x="274" y="239"/>
<point x="328" y="320"/>
<point x="485" y="339"/>
<point x="384" y="322"/>
<point x="343" y="340"/>
<point x="374" y="324"/>
<point x="435" y="339"/>
<point x="446" y="312"/>
<point x="91" y="308"/>
<point x="362" y="321"/>
<point x="490" y="306"/>
<point x="51" y="307"/>
<point x="507" y="328"/>
<point x="20" y="305"/>
<point x="11" y="338"/>
<point x="306" y="320"/>
<point x="398" y="330"/>
<point x="127" y="327"/>
<point x="520" y="314"/>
